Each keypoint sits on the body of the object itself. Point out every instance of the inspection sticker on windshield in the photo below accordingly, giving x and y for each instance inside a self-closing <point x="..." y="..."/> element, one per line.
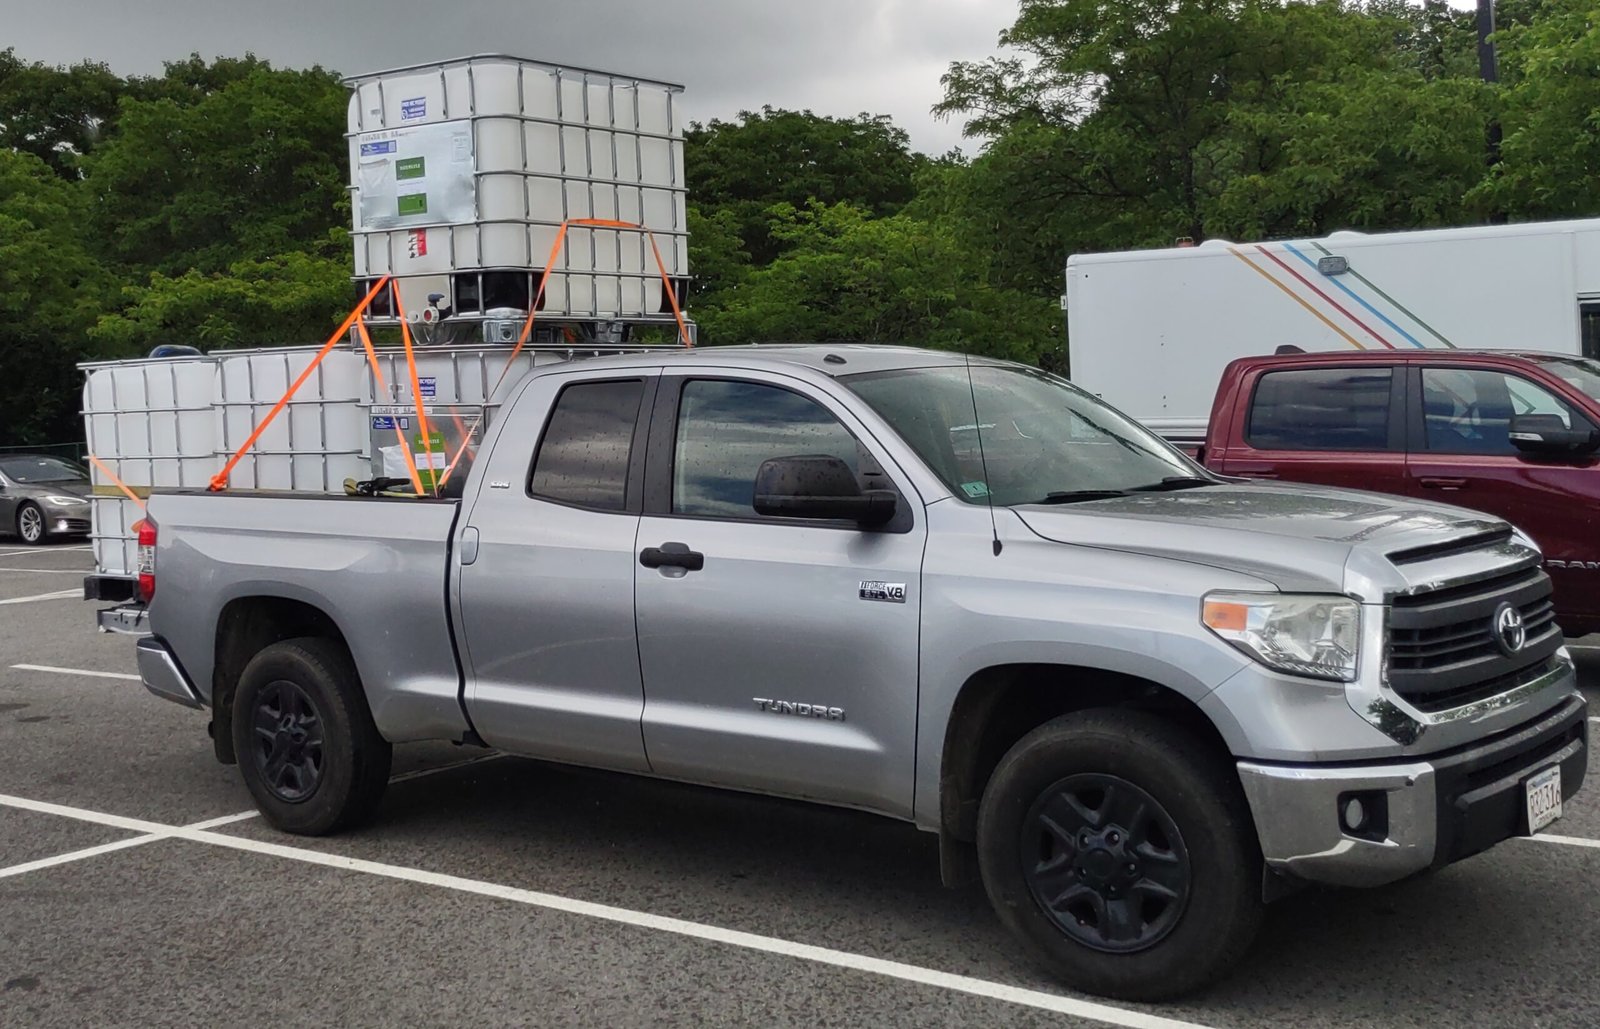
<point x="975" y="489"/>
<point x="1544" y="798"/>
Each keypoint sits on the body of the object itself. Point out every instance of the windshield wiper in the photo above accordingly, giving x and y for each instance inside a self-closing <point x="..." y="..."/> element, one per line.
<point x="1173" y="482"/>
<point x="1078" y="495"/>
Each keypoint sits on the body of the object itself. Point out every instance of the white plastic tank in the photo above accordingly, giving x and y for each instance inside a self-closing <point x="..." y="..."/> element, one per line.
<point x="463" y="171"/>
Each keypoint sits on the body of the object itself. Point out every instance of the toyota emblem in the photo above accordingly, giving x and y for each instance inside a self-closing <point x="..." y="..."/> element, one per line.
<point x="1509" y="631"/>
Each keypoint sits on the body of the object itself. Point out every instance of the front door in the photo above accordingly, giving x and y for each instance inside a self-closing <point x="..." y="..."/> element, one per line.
<point x="1461" y="453"/>
<point x="778" y="654"/>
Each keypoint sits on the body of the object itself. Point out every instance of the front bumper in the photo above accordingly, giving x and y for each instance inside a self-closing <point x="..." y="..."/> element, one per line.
<point x="1434" y="810"/>
<point x="161" y="673"/>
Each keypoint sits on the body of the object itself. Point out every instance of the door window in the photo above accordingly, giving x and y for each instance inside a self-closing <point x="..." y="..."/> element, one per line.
<point x="1322" y="409"/>
<point x="727" y="429"/>
<point x="1589" y="323"/>
<point x="1469" y="410"/>
<point x="587" y="446"/>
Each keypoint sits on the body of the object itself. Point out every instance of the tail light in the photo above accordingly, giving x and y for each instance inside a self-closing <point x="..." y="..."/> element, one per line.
<point x="147" y="558"/>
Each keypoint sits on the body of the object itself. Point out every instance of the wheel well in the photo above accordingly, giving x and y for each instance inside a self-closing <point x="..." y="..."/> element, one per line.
<point x="998" y="706"/>
<point x="246" y="627"/>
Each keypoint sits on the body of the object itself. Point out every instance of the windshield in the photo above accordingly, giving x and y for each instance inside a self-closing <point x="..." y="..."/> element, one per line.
<point x="41" y="469"/>
<point x="1041" y="435"/>
<point x="1581" y="373"/>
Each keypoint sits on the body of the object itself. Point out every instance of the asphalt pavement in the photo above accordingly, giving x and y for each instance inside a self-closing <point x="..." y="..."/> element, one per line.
<point x="138" y="888"/>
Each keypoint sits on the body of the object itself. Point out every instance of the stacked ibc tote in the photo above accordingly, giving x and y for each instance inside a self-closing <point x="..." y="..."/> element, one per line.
<point x="505" y="213"/>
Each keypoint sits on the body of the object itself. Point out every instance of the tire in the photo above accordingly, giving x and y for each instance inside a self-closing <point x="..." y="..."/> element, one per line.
<point x="306" y="743"/>
<point x="1178" y="885"/>
<point x="30" y="524"/>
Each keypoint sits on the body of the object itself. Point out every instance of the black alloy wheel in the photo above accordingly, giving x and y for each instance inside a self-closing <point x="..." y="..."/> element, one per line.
<point x="1106" y="862"/>
<point x="287" y="732"/>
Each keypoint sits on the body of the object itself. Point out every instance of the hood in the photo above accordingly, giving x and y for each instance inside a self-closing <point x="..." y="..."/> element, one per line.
<point x="1299" y="538"/>
<point x="79" y="488"/>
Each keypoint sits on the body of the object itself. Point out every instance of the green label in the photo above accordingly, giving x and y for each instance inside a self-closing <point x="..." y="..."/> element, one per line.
<point x="975" y="489"/>
<point x="410" y="168"/>
<point x="414" y="203"/>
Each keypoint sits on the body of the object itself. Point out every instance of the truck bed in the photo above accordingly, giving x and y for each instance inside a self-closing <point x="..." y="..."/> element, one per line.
<point x="384" y="558"/>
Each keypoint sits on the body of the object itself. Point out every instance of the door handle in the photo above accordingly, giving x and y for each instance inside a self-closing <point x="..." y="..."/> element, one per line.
<point x="672" y="555"/>
<point x="1433" y="482"/>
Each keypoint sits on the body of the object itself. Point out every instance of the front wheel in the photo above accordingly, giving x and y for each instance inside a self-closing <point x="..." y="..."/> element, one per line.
<point x="30" y="524"/>
<point x="1119" y="847"/>
<point x="307" y="746"/>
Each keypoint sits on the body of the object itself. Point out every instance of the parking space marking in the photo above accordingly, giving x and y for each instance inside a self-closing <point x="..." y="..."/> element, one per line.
<point x="45" y="571"/>
<point x="985" y="988"/>
<point x="108" y="848"/>
<point x="58" y="595"/>
<point x="33" y="551"/>
<point x="75" y="671"/>
<point x="1569" y="841"/>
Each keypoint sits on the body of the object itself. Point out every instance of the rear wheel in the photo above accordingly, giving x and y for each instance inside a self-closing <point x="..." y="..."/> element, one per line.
<point x="1120" y="848"/>
<point x="307" y="746"/>
<point x="30" y="524"/>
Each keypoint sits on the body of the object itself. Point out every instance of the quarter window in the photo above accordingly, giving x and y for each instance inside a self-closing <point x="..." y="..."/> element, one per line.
<point x="587" y="446"/>
<point x="726" y="430"/>
<point x="1322" y="409"/>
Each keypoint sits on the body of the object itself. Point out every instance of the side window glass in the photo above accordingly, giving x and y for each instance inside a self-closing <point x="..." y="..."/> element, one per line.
<point x="584" y="455"/>
<point x="1321" y="409"/>
<point x="727" y="429"/>
<point x="1469" y="411"/>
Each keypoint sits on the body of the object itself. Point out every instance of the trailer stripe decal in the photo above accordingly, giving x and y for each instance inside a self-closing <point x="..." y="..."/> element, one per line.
<point x="1354" y="296"/>
<point x="1275" y="259"/>
<point x="1397" y="304"/>
<point x="1236" y="252"/>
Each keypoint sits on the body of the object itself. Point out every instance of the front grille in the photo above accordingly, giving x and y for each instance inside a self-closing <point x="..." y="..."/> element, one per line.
<point x="1443" y="651"/>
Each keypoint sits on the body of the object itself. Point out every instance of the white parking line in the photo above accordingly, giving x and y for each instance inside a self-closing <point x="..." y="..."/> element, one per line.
<point x="58" y="595"/>
<point x="33" y="551"/>
<point x="1569" y="841"/>
<point x="75" y="671"/>
<point x="107" y="848"/>
<point x="640" y="919"/>
<point x="45" y="571"/>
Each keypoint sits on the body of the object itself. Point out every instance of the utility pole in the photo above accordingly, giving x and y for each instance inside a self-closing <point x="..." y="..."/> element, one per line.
<point x="1488" y="70"/>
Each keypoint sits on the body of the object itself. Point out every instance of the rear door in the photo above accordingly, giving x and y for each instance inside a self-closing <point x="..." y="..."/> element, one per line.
<point x="546" y="558"/>
<point x="1340" y="425"/>
<point x="783" y="659"/>
<point x="1461" y="453"/>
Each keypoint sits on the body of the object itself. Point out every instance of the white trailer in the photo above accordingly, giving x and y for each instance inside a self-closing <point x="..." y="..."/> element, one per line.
<point x="1151" y="331"/>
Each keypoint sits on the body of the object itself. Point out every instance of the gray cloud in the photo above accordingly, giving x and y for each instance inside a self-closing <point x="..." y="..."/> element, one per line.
<point x="837" y="57"/>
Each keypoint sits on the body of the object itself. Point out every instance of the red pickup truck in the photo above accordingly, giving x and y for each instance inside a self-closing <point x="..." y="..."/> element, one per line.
<point x="1512" y="434"/>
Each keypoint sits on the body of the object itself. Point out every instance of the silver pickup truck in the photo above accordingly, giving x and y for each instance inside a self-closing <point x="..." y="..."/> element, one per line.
<point x="1138" y="700"/>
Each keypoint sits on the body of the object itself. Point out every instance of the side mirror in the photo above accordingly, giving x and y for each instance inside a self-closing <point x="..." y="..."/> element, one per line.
<point x="818" y="486"/>
<point x="1547" y="434"/>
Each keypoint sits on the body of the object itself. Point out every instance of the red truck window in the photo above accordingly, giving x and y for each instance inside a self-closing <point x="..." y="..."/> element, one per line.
<point x="1469" y="410"/>
<point x="1322" y="409"/>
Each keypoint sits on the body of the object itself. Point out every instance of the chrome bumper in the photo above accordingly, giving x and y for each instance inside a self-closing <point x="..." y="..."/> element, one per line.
<point x="161" y="675"/>
<point x="1436" y="810"/>
<point x="129" y="619"/>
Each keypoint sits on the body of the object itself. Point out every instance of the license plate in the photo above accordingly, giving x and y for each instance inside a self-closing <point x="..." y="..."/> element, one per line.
<point x="1544" y="798"/>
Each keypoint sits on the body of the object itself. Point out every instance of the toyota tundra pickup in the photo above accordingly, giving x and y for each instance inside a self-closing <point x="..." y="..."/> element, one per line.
<point x="1137" y="699"/>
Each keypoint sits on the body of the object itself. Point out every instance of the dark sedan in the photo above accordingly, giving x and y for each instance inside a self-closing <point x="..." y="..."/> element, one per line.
<point x="43" y="496"/>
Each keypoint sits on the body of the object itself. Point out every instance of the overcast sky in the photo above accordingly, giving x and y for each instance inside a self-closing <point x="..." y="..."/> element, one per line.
<point x="836" y="57"/>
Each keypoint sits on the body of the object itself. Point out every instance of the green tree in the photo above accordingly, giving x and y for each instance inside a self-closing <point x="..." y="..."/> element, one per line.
<point x="50" y="288"/>
<point x="56" y="114"/>
<point x="249" y="167"/>
<point x="775" y="156"/>
<point x="845" y="275"/>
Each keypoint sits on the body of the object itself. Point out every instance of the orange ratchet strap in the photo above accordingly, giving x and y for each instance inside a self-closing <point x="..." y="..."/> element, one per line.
<point x="383" y="387"/>
<point x="416" y="397"/>
<point x="219" y="481"/>
<point x="118" y="483"/>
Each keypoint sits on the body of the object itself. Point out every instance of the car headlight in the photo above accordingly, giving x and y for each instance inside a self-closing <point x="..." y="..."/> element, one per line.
<point x="66" y="501"/>
<point x="1314" y="636"/>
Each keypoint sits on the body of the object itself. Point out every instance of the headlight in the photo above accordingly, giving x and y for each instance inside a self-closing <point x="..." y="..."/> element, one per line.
<point x="1315" y="636"/>
<point x="66" y="501"/>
